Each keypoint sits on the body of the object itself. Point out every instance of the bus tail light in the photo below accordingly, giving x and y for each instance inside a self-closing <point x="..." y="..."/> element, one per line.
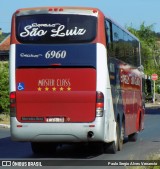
<point x="13" y="104"/>
<point x="17" y="12"/>
<point x="50" y="9"/>
<point x="99" y="104"/>
<point x="55" y="9"/>
<point x="60" y="9"/>
<point x="95" y="11"/>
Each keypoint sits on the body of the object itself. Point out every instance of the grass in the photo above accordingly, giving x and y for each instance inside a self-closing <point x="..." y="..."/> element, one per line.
<point x="150" y="157"/>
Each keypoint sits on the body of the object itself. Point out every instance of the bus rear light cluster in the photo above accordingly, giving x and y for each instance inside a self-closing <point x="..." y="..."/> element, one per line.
<point x="99" y="104"/>
<point x="55" y="9"/>
<point x="50" y="9"/>
<point x="95" y="11"/>
<point x="13" y="104"/>
<point x="17" y="12"/>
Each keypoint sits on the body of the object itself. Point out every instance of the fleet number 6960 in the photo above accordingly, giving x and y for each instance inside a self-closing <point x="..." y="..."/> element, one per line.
<point x="55" y="54"/>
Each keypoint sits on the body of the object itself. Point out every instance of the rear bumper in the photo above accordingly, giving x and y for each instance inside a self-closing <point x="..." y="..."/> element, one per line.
<point x="57" y="132"/>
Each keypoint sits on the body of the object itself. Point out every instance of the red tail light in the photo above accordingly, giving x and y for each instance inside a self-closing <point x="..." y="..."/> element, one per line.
<point x="13" y="104"/>
<point x="17" y="12"/>
<point x="99" y="104"/>
<point x="94" y="11"/>
<point x="50" y="9"/>
<point x="61" y="9"/>
<point x="55" y="9"/>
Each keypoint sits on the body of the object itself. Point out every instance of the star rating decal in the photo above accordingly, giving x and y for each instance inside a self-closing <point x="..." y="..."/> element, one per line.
<point x="61" y="89"/>
<point x="39" y="89"/>
<point x="69" y="89"/>
<point x="46" y="89"/>
<point x="54" y="89"/>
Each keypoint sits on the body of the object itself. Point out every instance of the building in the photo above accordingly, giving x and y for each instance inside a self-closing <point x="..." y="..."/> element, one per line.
<point x="4" y="49"/>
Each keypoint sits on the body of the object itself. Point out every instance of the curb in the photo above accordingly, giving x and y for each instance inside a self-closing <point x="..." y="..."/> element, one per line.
<point x="148" y="105"/>
<point x="4" y="126"/>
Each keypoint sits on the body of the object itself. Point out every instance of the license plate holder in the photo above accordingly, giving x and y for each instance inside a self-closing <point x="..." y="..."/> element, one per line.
<point x="55" y="119"/>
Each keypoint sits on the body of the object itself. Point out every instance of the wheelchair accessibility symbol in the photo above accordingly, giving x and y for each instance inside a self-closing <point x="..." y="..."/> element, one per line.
<point x="20" y="86"/>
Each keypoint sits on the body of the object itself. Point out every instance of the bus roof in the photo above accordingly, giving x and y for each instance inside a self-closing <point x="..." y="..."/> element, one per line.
<point x="58" y="10"/>
<point x="125" y="30"/>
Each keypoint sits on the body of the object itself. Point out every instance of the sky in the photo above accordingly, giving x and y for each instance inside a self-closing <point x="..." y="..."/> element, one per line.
<point x="125" y="12"/>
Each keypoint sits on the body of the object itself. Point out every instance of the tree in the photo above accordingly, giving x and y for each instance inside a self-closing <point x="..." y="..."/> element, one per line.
<point x="4" y="87"/>
<point x="150" y="49"/>
<point x="3" y="36"/>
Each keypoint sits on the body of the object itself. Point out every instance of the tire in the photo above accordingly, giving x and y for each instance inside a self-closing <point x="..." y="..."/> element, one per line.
<point x="133" y="137"/>
<point x="121" y="137"/>
<point x="43" y="148"/>
<point x="113" y="146"/>
<point x="95" y="147"/>
<point x="110" y="148"/>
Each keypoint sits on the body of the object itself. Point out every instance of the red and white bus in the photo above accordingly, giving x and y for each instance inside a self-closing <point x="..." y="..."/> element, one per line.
<point x="74" y="77"/>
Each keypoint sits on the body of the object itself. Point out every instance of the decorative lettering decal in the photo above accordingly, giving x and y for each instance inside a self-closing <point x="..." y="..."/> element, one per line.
<point x="60" y="54"/>
<point x="55" y="54"/>
<point x="58" y="30"/>
<point x="24" y="55"/>
<point x="125" y="79"/>
<point x="54" y="85"/>
<point x="130" y="80"/>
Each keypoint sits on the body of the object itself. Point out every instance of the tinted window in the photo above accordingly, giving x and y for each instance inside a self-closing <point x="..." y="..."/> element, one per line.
<point x="108" y="32"/>
<point x="55" y="28"/>
<point x="124" y="47"/>
<point x="118" y="41"/>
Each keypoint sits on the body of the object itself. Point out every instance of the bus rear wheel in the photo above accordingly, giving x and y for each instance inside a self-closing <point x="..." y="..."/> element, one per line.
<point x="133" y="137"/>
<point x="43" y="147"/>
<point x="113" y="146"/>
<point x="121" y="136"/>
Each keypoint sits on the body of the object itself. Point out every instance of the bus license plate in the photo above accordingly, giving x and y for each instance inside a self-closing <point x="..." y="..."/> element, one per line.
<point x="55" y="120"/>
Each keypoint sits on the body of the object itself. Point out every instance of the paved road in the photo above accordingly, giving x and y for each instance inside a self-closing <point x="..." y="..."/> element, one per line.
<point x="147" y="143"/>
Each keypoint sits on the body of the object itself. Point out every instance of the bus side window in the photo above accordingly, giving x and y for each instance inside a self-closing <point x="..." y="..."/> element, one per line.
<point x="108" y="34"/>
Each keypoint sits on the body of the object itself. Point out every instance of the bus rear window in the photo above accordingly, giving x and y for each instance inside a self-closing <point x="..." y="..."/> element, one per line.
<point x="55" y="28"/>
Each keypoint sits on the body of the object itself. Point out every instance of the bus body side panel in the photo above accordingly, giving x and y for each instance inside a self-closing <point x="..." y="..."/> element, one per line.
<point x="103" y="85"/>
<point x="131" y="81"/>
<point x="126" y="93"/>
<point x="12" y="68"/>
<point x="114" y="73"/>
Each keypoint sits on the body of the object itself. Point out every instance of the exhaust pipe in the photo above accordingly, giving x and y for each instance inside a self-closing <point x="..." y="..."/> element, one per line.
<point x="90" y="134"/>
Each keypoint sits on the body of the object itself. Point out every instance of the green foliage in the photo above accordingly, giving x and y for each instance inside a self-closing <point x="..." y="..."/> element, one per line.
<point x="152" y="157"/>
<point x="4" y="87"/>
<point x="150" y="49"/>
<point x="3" y="36"/>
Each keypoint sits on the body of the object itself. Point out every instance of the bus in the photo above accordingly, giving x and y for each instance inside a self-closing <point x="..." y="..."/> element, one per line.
<point x="75" y="77"/>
